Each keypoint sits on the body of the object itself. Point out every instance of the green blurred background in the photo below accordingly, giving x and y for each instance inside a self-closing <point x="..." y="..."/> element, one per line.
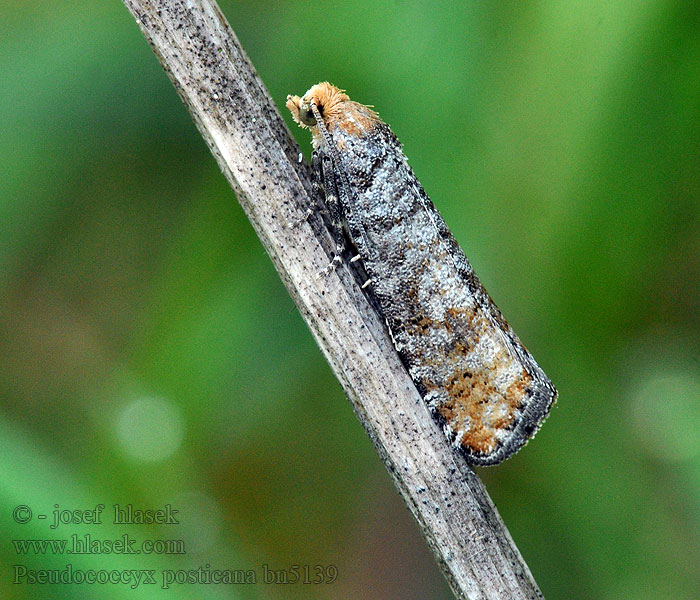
<point x="150" y="355"/>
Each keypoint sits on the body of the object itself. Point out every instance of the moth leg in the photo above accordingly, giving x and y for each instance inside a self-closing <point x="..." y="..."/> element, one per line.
<point x="303" y="219"/>
<point x="318" y="183"/>
<point x="330" y="267"/>
<point x="391" y="335"/>
<point x="316" y="186"/>
<point x="332" y="200"/>
<point x="323" y="166"/>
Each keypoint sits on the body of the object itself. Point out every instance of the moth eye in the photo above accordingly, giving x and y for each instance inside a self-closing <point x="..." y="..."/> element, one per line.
<point x="306" y="115"/>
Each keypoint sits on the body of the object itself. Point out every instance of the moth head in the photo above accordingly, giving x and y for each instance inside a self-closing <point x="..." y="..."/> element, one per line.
<point x="301" y="110"/>
<point x="306" y="115"/>
<point x="334" y="108"/>
<point x="328" y="100"/>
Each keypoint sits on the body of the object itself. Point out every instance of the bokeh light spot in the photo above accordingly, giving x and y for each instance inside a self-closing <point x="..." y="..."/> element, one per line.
<point x="150" y="429"/>
<point x="200" y="521"/>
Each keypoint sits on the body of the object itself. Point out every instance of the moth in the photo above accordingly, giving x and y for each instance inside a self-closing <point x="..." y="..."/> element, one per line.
<point x="476" y="377"/>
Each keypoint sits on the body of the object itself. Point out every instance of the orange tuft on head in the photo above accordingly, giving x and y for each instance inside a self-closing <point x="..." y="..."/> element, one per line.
<point x="335" y="107"/>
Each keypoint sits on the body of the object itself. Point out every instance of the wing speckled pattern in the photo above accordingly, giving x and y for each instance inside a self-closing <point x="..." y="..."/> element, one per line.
<point x="471" y="369"/>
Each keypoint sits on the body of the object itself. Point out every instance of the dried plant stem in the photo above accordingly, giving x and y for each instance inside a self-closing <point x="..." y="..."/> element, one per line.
<point x="256" y="153"/>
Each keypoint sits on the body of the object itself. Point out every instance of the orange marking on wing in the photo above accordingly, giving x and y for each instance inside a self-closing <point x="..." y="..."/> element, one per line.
<point x="476" y="407"/>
